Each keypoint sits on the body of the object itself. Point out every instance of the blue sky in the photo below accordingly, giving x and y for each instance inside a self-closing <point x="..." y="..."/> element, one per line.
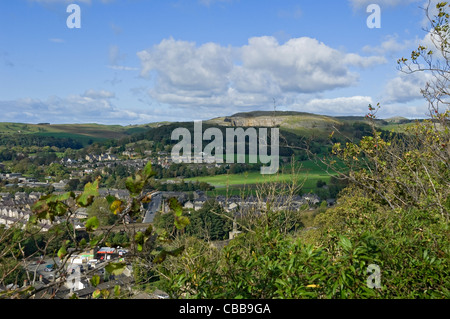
<point x="142" y="61"/>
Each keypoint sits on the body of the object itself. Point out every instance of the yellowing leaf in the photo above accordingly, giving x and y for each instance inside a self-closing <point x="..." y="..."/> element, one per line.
<point x="96" y="294"/>
<point x="117" y="207"/>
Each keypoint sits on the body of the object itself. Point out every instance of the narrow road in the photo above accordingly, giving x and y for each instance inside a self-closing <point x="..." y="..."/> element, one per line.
<point x="153" y="207"/>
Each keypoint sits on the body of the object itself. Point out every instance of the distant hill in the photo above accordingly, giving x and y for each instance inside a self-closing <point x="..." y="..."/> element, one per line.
<point x="398" y="120"/>
<point x="292" y="121"/>
<point x="84" y="133"/>
<point x="298" y="123"/>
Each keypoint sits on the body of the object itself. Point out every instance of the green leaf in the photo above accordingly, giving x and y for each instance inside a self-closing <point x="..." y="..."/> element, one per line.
<point x="92" y="224"/>
<point x="82" y="242"/>
<point x="105" y="293"/>
<point x="164" y="253"/>
<point x="40" y="206"/>
<point x="95" y="280"/>
<point x="65" y="196"/>
<point x="50" y="206"/>
<point x="345" y="243"/>
<point x="160" y="257"/>
<point x="33" y="220"/>
<point x="135" y="185"/>
<point x="115" y="268"/>
<point x="117" y="290"/>
<point x="139" y="239"/>
<point x="135" y="206"/>
<point x="87" y="197"/>
<point x="176" y="252"/>
<point x="175" y="205"/>
<point x="59" y="208"/>
<point x="148" y="231"/>
<point x="147" y="171"/>
<point x="62" y="252"/>
<point x="181" y="222"/>
<point x="110" y="199"/>
<point x="96" y="294"/>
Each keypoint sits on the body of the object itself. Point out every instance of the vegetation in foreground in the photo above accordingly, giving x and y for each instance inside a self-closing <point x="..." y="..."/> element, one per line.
<point x="393" y="216"/>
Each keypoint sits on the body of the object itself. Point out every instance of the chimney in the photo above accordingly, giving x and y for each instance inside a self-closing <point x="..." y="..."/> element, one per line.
<point x="25" y="283"/>
<point x="40" y="278"/>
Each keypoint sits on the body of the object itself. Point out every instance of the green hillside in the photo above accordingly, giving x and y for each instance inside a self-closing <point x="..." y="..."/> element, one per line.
<point x="83" y="133"/>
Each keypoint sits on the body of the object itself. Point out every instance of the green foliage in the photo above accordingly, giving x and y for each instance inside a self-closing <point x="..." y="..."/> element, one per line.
<point x="95" y="280"/>
<point x="100" y="210"/>
<point x="62" y="252"/>
<point x="394" y="214"/>
<point x="51" y="206"/>
<point x="411" y="246"/>
<point x="115" y="268"/>
<point x="267" y="264"/>
<point x="142" y="237"/>
<point x="180" y="221"/>
<point x="164" y="253"/>
<point x="210" y="222"/>
<point x="92" y="224"/>
<point x="90" y="192"/>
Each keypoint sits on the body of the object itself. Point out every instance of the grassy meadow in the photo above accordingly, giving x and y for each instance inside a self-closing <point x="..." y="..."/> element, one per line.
<point x="306" y="173"/>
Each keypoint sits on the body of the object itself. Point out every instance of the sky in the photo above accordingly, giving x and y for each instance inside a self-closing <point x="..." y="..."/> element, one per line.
<point x="141" y="61"/>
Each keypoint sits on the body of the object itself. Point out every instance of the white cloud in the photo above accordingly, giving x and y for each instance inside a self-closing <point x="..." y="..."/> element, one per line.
<point x="122" y="68"/>
<point x="83" y="108"/>
<point x="117" y="59"/>
<point x="102" y="94"/>
<point x="363" y="62"/>
<point x="390" y="46"/>
<point x="114" y="55"/>
<point x="181" y="65"/>
<point x="354" y="105"/>
<point x="300" y="65"/>
<point x="251" y="75"/>
<point x="413" y="110"/>
<point x="405" y="87"/>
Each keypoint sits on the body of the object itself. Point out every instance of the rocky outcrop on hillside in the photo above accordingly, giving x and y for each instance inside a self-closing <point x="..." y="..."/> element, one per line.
<point x="276" y="119"/>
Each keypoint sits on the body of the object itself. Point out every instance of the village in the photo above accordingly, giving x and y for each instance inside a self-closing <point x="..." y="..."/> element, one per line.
<point x="75" y="276"/>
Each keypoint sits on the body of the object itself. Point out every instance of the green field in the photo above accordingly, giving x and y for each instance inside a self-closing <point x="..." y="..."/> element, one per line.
<point x="308" y="175"/>
<point x="93" y="130"/>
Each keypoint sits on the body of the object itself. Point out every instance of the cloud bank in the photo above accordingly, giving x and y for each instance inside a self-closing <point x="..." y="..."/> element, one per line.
<point x="187" y="75"/>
